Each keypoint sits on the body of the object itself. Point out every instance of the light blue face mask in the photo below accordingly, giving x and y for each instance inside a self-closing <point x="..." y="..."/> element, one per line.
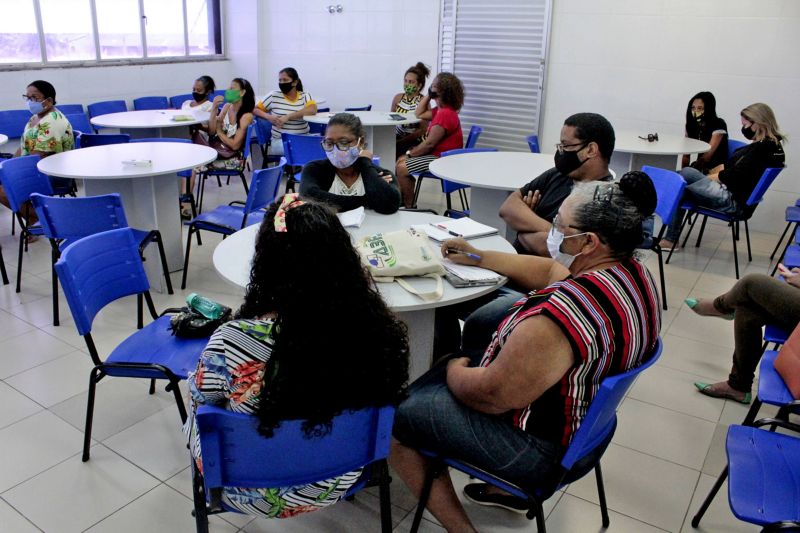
<point x="343" y="158"/>
<point x="35" y="107"/>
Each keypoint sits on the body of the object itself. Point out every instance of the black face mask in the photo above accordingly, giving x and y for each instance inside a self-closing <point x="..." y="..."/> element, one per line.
<point x="198" y="97"/>
<point x="285" y="88"/>
<point x="433" y="94"/>
<point x="567" y="162"/>
<point x="748" y="133"/>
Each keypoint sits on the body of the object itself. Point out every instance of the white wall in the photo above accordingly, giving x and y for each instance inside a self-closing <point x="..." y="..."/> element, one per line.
<point x="241" y="40"/>
<point x="638" y="63"/>
<point x="352" y="58"/>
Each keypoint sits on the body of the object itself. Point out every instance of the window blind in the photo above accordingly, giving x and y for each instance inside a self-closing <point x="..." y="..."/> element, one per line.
<point x="498" y="51"/>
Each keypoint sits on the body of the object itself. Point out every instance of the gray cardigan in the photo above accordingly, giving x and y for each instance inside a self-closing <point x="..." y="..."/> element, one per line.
<point x="380" y="196"/>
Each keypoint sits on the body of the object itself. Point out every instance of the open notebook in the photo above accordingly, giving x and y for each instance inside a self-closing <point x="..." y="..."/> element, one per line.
<point x="469" y="276"/>
<point x="460" y="227"/>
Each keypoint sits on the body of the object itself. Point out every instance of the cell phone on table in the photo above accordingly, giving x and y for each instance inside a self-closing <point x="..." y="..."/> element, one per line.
<point x="396" y="116"/>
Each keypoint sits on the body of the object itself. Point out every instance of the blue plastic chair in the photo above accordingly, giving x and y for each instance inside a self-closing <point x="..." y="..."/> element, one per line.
<point x="80" y="125"/>
<point x="472" y="138"/>
<point x="734" y="145"/>
<point x="65" y="220"/>
<point x="233" y="451"/>
<point x="20" y="178"/>
<point x="365" y="108"/>
<point x="150" y="102"/>
<point x="263" y="137"/>
<point x="99" y="269"/>
<point x="594" y="433"/>
<point x="104" y="108"/>
<point x="533" y="143"/>
<point x="732" y="219"/>
<point x="772" y="390"/>
<point x="103" y="139"/>
<point x="449" y="187"/>
<point x="12" y="123"/>
<point x="299" y="150"/>
<point x="175" y="102"/>
<point x="211" y="171"/>
<point x="669" y="187"/>
<point x="228" y="219"/>
<point x="323" y="110"/>
<point x="70" y="109"/>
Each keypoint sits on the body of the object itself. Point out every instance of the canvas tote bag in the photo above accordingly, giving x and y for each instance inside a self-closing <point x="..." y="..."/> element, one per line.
<point x="390" y="256"/>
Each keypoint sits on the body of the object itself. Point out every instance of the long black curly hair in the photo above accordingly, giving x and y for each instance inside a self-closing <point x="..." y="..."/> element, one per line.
<point x="338" y="347"/>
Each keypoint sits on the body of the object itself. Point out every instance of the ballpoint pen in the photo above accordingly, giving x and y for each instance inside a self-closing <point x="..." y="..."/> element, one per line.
<point x="476" y="257"/>
<point x="444" y="228"/>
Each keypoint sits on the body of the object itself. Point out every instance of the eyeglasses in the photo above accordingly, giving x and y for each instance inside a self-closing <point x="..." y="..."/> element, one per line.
<point x="33" y="98"/>
<point x="341" y="144"/>
<point x="557" y="225"/>
<point x="560" y="147"/>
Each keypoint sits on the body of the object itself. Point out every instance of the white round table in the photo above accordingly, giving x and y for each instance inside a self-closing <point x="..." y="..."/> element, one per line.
<point x="149" y="193"/>
<point x="380" y="130"/>
<point x="3" y="139"/>
<point x="233" y="255"/>
<point x="492" y="176"/>
<point x="632" y="153"/>
<point x="149" y="123"/>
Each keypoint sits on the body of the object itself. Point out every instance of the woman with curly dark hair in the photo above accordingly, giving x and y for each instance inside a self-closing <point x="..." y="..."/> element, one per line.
<point x="305" y="345"/>
<point x="444" y="131"/>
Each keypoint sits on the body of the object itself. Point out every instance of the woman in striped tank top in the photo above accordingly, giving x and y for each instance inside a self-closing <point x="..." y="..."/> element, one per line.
<point x="406" y="102"/>
<point x="513" y="410"/>
<point x="306" y="346"/>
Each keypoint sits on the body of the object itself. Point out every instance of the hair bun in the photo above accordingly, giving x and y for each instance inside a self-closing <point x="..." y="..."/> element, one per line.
<point x="422" y="67"/>
<point x="639" y="189"/>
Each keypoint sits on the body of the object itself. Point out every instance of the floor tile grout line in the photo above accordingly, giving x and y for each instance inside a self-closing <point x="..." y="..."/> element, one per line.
<point x="676" y="411"/>
<point x="616" y="511"/>
<point x="664" y="459"/>
<point x="20" y="513"/>
<point x="4" y="380"/>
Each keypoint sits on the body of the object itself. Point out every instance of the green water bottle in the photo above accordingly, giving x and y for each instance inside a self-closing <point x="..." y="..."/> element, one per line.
<point x="205" y="306"/>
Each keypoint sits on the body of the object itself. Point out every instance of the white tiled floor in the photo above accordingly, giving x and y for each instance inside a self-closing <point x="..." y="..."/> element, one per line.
<point x="665" y="455"/>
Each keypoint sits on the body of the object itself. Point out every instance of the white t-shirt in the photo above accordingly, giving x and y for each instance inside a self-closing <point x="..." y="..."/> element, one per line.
<point x="277" y="104"/>
<point x="338" y="187"/>
<point x="205" y="107"/>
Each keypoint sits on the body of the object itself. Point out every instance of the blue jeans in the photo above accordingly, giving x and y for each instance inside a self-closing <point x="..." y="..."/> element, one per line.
<point x="432" y="418"/>
<point x="705" y="193"/>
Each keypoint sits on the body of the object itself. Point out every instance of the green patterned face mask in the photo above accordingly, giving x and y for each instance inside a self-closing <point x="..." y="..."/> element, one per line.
<point x="409" y="89"/>
<point x="232" y="95"/>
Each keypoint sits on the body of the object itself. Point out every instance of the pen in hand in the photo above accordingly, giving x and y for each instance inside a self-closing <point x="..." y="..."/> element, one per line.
<point x="476" y="257"/>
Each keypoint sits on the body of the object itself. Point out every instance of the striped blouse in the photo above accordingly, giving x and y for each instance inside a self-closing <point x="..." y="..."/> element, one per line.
<point x="610" y="317"/>
<point x="230" y="374"/>
<point x="277" y="104"/>
<point x="404" y="107"/>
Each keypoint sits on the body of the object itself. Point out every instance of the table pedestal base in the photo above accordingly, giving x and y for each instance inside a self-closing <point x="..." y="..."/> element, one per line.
<point x="484" y="207"/>
<point x="381" y="140"/>
<point x="420" y="340"/>
<point x="622" y="162"/>
<point x="150" y="203"/>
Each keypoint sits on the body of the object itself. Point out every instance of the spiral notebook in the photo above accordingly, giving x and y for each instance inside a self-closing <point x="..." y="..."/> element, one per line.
<point x="460" y="227"/>
<point x="470" y="276"/>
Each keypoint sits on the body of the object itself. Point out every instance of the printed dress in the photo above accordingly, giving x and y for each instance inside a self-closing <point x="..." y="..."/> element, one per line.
<point x="230" y="374"/>
<point x="51" y="135"/>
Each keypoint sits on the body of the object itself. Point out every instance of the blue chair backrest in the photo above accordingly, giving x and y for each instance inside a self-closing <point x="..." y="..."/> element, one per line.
<point x="74" y="218"/>
<point x="763" y="184"/>
<point x="79" y="122"/>
<point x="669" y="189"/>
<point x="601" y="418"/>
<point x="533" y="143"/>
<point x="98" y="269"/>
<point x="70" y="109"/>
<point x="150" y="102"/>
<point x="323" y="110"/>
<point x="263" y="188"/>
<point x="234" y="451"/>
<point x="301" y="149"/>
<point x="472" y="138"/>
<point x="734" y="145"/>
<point x="104" y="108"/>
<point x="175" y="102"/>
<point x="263" y="130"/>
<point x="365" y="108"/>
<point x="248" y="139"/>
<point x="20" y="178"/>
<point x="102" y="139"/>
<point x="12" y="122"/>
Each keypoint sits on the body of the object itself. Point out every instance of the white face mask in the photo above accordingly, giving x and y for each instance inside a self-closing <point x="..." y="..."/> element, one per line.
<point x="554" y="240"/>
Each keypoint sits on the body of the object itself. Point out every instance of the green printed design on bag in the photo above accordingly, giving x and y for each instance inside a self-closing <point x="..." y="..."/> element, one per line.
<point x="383" y="255"/>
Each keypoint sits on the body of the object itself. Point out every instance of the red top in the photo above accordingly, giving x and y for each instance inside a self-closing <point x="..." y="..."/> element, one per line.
<point x="453" y="138"/>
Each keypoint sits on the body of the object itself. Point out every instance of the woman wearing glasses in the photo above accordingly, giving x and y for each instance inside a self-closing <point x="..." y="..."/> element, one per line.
<point x="347" y="179"/>
<point x="727" y="187"/>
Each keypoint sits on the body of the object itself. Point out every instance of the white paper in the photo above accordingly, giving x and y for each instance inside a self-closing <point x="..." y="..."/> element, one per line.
<point x="452" y="229"/>
<point x="353" y="218"/>
<point x="470" y="273"/>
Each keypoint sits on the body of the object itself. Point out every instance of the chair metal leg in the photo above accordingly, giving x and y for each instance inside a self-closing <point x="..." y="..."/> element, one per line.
<point x="54" y="278"/>
<point x="540" y="523"/>
<point x="139" y="311"/>
<point x="674" y="244"/>
<point x="22" y="237"/>
<point x="186" y="259"/>
<point x="417" y="187"/>
<point x="707" y="502"/>
<point x="163" y="256"/>
<point x="691" y="228"/>
<point x="747" y="238"/>
<point x="199" y="499"/>
<point x="601" y="495"/>
<point x="702" y="230"/>
<point x="87" y="431"/>
<point x="176" y="391"/>
<point x="385" y="498"/>
<point x="430" y="474"/>
<point x="3" y="272"/>
<point x="244" y="182"/>
<point x="152" y="389"/>
<point x="735" y="252"/>
<point x="752" y="413"/>
<point x="661" y="275"/>
<point x="778" y="244"/>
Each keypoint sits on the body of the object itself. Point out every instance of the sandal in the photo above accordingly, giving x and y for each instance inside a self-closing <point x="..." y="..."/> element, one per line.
<point x="692" y="303"/>
<point x="709" y="390"/>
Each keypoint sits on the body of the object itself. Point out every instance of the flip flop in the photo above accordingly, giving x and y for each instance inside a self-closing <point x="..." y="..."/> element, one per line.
<point x="705" y="388"/>
<point x="692" y="303"/>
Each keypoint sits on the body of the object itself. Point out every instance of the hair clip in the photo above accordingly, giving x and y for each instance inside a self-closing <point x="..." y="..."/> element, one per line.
<point x="290" y="201"/>
<point x="651" y="137"/>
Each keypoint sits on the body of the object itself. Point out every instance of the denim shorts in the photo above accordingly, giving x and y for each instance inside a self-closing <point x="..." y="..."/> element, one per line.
<point x="432" y="418"/>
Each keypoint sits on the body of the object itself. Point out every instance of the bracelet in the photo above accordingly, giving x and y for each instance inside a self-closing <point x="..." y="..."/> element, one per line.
<point x="408" y="153"/>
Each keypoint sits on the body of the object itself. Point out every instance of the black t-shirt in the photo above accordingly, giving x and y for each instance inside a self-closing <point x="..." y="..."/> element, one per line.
<point x="554" y="188"/>
<point x="703" y="130"/>
<point x="745" y="167"/>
